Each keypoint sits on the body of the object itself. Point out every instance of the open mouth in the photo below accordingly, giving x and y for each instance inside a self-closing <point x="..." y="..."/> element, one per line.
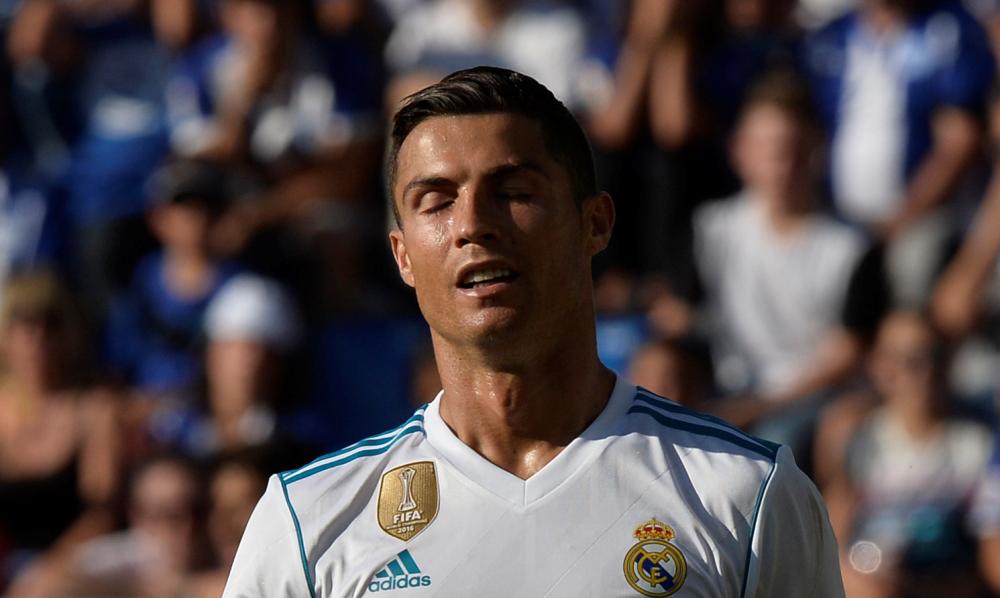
<point x="482" y="278"/>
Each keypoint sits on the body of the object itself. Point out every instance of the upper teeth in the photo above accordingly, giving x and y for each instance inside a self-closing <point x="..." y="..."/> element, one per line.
<point x="482" y="275"/>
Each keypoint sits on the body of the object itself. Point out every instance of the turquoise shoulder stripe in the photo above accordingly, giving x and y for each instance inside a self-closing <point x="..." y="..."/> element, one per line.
<point x="294" y="477"/>
<point x="377" y="439"/>
<point x="661" y="403"/>
<point x="685" y="426"/>
<point x="298" y="533"/>
<point x="753" y="528"/>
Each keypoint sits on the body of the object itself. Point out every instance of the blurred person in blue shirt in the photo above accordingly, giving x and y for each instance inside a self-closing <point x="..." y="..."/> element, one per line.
<point x="902" y="86"/>
<point x="154" y="334"/>
<point x="32" y="223"/>
<point x="266" y="97"/>
<point x="251" y="329"/>
<point x="89" y="80"/>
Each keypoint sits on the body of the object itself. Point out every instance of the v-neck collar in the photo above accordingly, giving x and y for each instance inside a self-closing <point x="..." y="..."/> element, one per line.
<point x="579" y="453"/>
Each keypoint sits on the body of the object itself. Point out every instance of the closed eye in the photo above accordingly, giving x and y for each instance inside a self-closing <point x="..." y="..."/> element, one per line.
<point x="435" y="202"/>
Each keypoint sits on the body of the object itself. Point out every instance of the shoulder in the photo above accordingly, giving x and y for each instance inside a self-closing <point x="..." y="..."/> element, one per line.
<point x="836" y="30"/>
<point x="970" y="438"/>
<point x="334" y="479"/>
<point x="836" y="240"/>
<point x="729" y="470"/>
<point x="836" y="231"/>
<point x="332" y="468"/>
<point x="727" y="467"/>
<point x="825" y="48"/>
<point x="148" y="275"/>
<point x="304" y="509"/>
<point x="201" y="56"/>
<point x="723" y="210"/>
<point x="722" y="222"/>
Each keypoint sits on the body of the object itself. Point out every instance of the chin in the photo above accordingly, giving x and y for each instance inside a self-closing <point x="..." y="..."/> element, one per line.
<point x="492" y="325"/>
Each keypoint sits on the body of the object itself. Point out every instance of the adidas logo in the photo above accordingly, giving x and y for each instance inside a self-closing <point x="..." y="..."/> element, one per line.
<point x="400" y="573"/>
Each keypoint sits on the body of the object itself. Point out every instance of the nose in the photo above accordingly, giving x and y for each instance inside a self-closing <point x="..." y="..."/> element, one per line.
<point x="477" y="218"/>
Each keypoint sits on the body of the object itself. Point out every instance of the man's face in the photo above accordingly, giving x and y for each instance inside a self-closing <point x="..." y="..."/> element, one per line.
<point x="491" y="237"/>
<point x="771" y="154"/>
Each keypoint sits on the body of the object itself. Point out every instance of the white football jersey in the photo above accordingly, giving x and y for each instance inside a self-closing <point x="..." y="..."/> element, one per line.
<point x="651" y="499"/>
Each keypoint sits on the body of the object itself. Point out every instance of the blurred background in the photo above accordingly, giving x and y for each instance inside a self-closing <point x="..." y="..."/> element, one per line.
<point x="196" y="291"/>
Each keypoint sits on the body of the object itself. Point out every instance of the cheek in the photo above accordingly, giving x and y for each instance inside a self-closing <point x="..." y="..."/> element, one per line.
<point x="426" y="249"/>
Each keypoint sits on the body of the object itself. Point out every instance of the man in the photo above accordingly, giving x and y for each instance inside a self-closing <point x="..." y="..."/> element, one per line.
<point x="901" y="86"/>
<point x="536" y="472"/>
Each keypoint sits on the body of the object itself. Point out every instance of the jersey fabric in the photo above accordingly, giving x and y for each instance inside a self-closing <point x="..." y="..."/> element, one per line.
<point x="650" y="500"/>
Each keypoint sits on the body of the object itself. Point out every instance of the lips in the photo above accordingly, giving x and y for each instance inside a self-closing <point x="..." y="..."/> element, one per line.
<point x="485" y="277"/>
<point x="482" y="276"/>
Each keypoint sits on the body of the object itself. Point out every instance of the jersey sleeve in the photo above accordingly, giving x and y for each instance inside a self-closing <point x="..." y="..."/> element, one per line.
<point x="794" y="552"/>
<point x="270" y="561"/>
<point x="965" y="80"/>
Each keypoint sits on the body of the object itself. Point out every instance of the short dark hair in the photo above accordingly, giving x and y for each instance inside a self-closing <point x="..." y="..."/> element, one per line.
<point x="487" y="90"/>
<point x="789" y="92"/>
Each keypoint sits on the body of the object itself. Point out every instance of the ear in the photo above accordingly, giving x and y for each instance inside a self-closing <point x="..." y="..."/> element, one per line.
<point x="598" y="222"/>
<point x="398" y="242"/>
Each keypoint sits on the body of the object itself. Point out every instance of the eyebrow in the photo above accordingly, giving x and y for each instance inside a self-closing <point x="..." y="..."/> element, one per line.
<point x="426" y="182"/>
<point x="506" y="170"/>
<point x="491" y="175"/>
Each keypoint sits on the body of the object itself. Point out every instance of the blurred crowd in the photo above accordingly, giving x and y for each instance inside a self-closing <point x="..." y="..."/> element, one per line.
<point x="195" y="289"/>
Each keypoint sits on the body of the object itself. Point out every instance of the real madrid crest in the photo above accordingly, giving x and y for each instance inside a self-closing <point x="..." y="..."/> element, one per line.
<point x="654" y="566"/>
<point x="408" y="499"/>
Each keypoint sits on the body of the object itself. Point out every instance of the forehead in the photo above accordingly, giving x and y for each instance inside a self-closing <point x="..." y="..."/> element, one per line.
<point x="768" y="117"/>
<point x="905" y="331"/>
<point x="455" y="147"/>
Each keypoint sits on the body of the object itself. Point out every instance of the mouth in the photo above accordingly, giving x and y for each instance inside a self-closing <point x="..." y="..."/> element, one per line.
<point x="486" y="277"/>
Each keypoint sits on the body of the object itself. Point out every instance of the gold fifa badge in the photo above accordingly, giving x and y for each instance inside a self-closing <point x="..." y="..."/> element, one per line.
<point x="408" y="499"/>
<point x="655" y="567"/>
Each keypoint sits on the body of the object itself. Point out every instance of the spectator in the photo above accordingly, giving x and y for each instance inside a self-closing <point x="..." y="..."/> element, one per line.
<point x="776" y="271"/>
<point x="965" y="301"/>
<point x="251" y="327"/>
<point x="985" y="521"/>
<point x="160" y="548"/>
<point x="263" y="96"/>
<point x="678" y="370"/>
<point x="32" y="223"/>
<point x="59" y="449"/>
<point x="89" y="93"/>
<point x="155" y="332"/>
<point x="899" y="503"/>
<point x="236" y="486"/>
<point x="901" y="86"/>
<point x="542" y="38"/>
<point x="683" y="73"/>
<point x="959" y="299"/>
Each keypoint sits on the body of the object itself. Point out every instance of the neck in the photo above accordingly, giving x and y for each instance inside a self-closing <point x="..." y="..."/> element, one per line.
<point x="786" y="223"/>
<point x="189" y="272"/>
<point x="786" y="215"/>
<point x="917" y="415"/>
<point x="520" y="418"/>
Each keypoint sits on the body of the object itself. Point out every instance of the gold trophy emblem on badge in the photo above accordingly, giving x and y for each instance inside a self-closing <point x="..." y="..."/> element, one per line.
<point x="408" y="499"/>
